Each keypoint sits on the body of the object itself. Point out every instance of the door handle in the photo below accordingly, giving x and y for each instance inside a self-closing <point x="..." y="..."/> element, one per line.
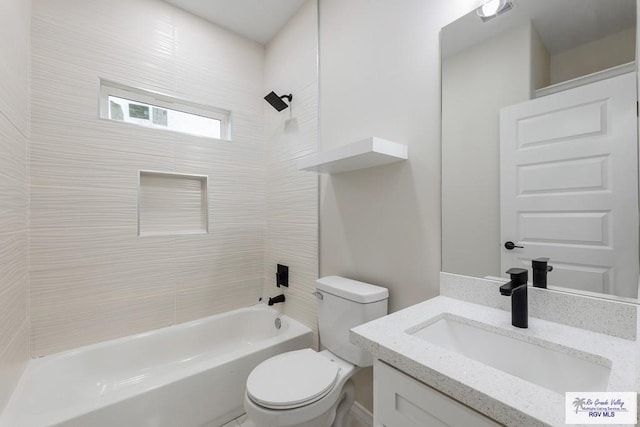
<point x="510" y="246"/>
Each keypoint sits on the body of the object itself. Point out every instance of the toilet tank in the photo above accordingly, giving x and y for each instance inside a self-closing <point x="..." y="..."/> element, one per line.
<point x="344" y="304"/>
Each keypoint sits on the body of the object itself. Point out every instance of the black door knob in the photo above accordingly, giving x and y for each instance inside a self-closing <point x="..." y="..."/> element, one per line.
<point x="510" y="246"/>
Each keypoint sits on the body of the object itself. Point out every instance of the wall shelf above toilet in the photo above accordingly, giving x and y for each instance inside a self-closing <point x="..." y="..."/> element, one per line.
<point x="362" y="154"/>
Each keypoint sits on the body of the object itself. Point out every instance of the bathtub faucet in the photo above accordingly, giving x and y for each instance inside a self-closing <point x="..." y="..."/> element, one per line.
<point x="276" y="299"/>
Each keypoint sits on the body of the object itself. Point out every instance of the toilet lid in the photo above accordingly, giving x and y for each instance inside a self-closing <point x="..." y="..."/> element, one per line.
<point x="292" y="379"/>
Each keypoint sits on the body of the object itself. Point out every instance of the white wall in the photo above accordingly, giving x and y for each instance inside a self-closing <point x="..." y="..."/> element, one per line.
<point x="14" y="132"/>
<point x="540" y="62"/>
<point x="92" y="277"/>
<point x="598" y="55"/>
<point x="380" y="75"/>
<point x="292" y="195"/>
<point x="476" y="84"/>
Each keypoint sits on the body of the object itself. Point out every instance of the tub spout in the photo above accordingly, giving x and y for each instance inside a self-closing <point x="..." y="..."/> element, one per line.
<point x="276" y="299"/>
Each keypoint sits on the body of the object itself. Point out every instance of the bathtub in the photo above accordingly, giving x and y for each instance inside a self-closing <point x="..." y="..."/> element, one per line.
<point x="187" y="375"/>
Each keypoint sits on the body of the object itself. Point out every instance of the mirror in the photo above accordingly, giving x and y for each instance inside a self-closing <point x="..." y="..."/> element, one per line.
<point x="539" y="143"/>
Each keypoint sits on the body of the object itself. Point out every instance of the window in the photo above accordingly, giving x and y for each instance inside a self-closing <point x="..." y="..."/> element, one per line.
<point x="129" y="105"/>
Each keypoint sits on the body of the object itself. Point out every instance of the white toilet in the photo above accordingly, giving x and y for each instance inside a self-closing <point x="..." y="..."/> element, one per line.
<point x="309" y="388"/>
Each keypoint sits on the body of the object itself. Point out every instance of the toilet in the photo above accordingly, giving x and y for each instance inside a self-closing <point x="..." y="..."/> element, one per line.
<point x="314" y="389"/>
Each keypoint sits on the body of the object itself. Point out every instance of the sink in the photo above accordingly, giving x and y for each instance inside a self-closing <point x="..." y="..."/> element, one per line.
<point x="546" y="364"/>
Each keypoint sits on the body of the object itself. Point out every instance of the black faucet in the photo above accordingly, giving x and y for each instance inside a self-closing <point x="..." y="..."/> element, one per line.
<point x="517" y="289"/>
<point x="276" y="299"/>
<point x="540" y="269"/>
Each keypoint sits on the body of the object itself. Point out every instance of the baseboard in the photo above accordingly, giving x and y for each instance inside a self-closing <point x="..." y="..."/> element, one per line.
<point x="361" y="415"/>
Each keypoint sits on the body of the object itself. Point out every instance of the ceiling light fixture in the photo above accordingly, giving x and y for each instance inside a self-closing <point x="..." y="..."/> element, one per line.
<point x="493" y="8"/>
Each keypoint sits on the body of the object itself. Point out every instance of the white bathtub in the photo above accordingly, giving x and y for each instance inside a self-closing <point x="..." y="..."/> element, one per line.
<point x="187" y="375"/>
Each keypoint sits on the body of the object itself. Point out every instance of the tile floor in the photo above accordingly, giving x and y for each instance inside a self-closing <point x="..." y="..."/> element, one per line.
<point x="242" y="421"/>
<point x="239" y="422"/>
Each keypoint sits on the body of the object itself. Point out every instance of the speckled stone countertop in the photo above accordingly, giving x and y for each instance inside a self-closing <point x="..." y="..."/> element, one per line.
<point x="500" y="396"/>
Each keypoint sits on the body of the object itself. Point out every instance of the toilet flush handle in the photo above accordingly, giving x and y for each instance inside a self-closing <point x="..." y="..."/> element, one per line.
<point x="317" y="294"/>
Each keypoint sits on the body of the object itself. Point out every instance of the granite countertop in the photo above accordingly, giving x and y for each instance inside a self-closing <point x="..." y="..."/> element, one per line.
<point x="500" y="396"/>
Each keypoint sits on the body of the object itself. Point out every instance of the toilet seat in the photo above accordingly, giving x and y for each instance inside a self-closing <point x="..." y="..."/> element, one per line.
<point x="291" y="380"/>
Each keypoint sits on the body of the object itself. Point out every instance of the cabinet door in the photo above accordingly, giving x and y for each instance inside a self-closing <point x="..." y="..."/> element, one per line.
<point x="401" y="401"/>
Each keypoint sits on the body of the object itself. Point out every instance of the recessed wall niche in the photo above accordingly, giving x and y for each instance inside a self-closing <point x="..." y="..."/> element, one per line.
<point x="172" y="203"/>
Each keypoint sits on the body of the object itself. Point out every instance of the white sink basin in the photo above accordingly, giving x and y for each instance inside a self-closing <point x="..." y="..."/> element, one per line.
<point x="546" y="364"/>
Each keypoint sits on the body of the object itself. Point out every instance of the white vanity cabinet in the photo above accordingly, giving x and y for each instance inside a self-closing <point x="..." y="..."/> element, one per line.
<point x="402" y="401"/>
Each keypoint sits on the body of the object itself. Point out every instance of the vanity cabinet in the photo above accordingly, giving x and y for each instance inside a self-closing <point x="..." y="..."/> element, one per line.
<point x="401" y="401"/>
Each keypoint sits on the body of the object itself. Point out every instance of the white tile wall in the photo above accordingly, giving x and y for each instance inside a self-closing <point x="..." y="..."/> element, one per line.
<point x="14" y="45"/>
<point x="14" y="131"/>
<point x="92" y="277"/>
<point x="292" y="195"/>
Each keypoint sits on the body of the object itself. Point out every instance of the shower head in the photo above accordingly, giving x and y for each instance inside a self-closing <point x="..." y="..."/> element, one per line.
<point x="276" y="101"/>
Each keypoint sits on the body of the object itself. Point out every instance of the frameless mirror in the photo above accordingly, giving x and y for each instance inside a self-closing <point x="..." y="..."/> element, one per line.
<point x="540" y="145"/>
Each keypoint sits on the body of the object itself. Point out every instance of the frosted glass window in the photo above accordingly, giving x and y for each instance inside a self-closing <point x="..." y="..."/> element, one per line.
<point x="143" y="108"/>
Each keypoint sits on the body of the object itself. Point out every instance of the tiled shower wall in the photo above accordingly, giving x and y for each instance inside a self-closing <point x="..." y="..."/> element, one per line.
<point x="92" y="277"/>
<point x="292" y="195"/>
<point x="14" y="130"/>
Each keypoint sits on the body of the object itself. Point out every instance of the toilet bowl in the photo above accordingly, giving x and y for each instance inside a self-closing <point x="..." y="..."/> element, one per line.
<point x="306" y="388"/>
<point x="300" y="388"/>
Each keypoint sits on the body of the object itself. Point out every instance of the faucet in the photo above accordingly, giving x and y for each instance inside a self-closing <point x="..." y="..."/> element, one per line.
<point x="276" y="299"/>
<point x="540" y="269"/>
<point x="517" y="289"/>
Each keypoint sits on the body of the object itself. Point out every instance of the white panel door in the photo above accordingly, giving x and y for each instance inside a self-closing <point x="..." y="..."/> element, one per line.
<point x="569" y="185"/>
